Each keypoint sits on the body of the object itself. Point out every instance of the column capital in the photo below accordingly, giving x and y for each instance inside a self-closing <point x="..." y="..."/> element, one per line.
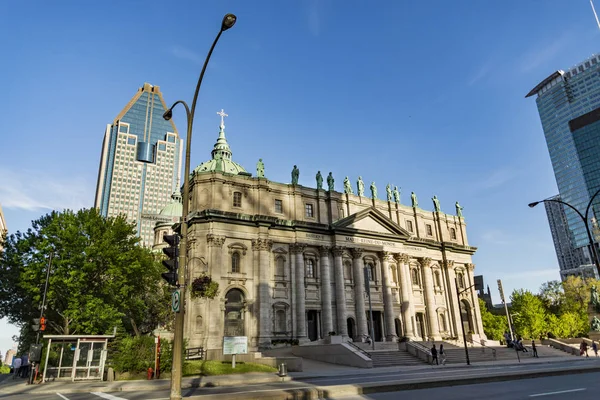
<point x="324" y="250"/>
<point x="262" y="244"/>
<point x="402" y="258"/>
<point x="297" y="247"/>
<point x="356" y="252"/>
<point x="470" y="266"/>
<point x="338" y="251"/>
<point x="215" y="240"/>
<point x="386" y="256"/>
<point x="425" y="261"/>
<point x="449" y="263"/>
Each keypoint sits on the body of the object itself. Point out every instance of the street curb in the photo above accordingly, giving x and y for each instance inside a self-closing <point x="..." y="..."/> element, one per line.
<point x="166" y="384"/>
<point x="317" y="392"/>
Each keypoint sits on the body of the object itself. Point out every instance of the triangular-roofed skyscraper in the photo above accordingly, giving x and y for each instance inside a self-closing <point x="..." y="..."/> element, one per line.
<point x="140" y="163"/>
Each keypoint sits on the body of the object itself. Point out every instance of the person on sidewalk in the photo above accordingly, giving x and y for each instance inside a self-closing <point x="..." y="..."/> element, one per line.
<point x="583" y="349"/>
<point x="434" y="355"/>
<point x="16" y="366"/>
<point x="595" y="347"/>
<point x="535" y="354"/>
<point x="442" y="354"/>
<point x="24" y="366"/>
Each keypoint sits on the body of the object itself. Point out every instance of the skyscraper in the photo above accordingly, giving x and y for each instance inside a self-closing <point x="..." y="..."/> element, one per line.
<point x="569" y="108"/>
<point x="140" y="163"/>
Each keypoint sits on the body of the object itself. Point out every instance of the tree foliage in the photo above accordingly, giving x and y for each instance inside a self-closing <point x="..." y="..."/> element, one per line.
<point x="100" y="277"/>
<point x="494" y="326"/>
<point x="528" y="313"/>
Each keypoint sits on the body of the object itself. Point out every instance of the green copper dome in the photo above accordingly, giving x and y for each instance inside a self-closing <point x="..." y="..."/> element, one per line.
<point x="221" y="158"/>
<point x="174" y="208"/>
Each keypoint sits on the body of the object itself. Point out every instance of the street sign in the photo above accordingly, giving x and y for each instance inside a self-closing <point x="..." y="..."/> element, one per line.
<point x="176" y="300"/>
<point x="235" y="345"/>
<point x="501" y="291"/>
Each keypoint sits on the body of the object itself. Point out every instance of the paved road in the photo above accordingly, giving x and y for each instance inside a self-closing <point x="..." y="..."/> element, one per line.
<point x="370" y="377"/>
<point x="572" y="387"/>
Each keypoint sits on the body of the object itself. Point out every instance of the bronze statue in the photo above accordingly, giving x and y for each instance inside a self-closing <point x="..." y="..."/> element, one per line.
<point x="347" y="186"/>
<point x="396" y="195"/>
<point x="458" y="210"/>
<point x="260" y="168"/>
<point x="330" y="182"/>
<point x="594" y="299"/>
<point x="319" y="180"/>
<point x="436" y="203"/>
<point x="295" y="175"/>
<point x="595" y="325"/>
<point x="388" y="191"/>
<point x="373" y="190"/>
<point x="360" y="185"/>
<point x="413" y="198"/>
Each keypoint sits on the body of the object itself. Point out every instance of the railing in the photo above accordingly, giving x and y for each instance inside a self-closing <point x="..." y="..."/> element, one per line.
<point x="483" y="346"/>
<point x="364" y="353"/>
<point x="418" y="350"/>
<point x="194" y="353"/>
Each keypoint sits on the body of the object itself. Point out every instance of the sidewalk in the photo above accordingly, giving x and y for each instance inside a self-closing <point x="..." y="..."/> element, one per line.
<point x="10" y="386"/>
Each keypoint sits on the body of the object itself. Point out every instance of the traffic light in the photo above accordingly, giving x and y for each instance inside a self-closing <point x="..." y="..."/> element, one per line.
<point x="42" y="324"/>
<point x="172" y="263"/>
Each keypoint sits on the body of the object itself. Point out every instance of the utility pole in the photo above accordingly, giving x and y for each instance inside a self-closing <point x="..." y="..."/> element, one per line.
<point x="512" y="337"/>
<point x="34" y="349"/>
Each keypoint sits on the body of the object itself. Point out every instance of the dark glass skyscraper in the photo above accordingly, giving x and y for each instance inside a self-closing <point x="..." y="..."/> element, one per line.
<point x="140" y="163"/>
<point x="563" y="98"/>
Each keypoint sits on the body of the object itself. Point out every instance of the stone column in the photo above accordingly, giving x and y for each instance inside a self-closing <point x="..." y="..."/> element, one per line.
<point x="434" y="326"/>
<point x="326" y="290"/>
<point x="359" y="294"/>
<point x="214" y="331"/>
<point x="455" y="306"/>
<point x="388" y="299"/>
<point x="297" y="250"/>
<point x="265" y="320"/>
<point x="407" y="307"/>
<point x="477" y="322"/>
<point x="340" y="295"/>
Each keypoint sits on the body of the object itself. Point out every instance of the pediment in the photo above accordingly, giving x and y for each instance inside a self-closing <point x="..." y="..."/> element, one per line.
<point x="370" y="220"/>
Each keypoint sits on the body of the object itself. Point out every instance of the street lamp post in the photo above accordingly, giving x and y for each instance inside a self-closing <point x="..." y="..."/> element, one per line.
<point x="177" y="365"/>
<point x="585" y="219"/>
<point x="458" y="293"/>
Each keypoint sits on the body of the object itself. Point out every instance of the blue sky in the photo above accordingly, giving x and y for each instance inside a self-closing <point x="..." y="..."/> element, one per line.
<point x="428" y="96"/>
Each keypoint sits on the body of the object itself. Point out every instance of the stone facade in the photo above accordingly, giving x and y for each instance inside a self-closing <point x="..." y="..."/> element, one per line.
<point x="290" y="261"/>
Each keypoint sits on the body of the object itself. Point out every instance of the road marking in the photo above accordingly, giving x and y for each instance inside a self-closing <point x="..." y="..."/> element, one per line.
<point x="63" y="397"/>
<point x="560" y="392"/>
<point x="108" y="396"/>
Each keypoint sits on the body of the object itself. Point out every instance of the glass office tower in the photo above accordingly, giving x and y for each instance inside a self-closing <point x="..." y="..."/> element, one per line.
<point x="140" y="163"/>
<point x="562" y="98"/>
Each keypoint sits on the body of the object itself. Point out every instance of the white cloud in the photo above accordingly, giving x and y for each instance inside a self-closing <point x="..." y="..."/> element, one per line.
<point x="496" y="178"/>
<point x="186" y="54"/>
<point x="544" y="53"/>
<point x="29" y="190"/>
<point x="524" y="274"/>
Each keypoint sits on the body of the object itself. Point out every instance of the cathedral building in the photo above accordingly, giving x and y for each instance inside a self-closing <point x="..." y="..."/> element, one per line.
<point x="295" y="262"/>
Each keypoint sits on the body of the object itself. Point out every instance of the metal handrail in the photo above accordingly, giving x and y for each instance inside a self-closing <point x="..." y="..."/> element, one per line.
<point x="365" y="353"/>
<point x="419" y="347"/>
<point x="483" y="345"/>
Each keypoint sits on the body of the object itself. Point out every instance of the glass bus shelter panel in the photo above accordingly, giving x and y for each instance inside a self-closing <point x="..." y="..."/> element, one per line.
<point x="60" y="360"/>
<point x="90" y="363"/>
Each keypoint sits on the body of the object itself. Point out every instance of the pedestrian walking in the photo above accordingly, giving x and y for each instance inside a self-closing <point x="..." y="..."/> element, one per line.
<point x="16" y="367"/>
<point x="583" y="349"/>
<point x="535" y="354"/>
<point x="442" y="354"/>
<point x="24" y="366"/>
<point x="434" y="355"/>
<point x="595" y="347"/>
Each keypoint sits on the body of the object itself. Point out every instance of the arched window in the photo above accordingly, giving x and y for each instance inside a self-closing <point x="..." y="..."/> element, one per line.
<point x="235" y="262"/>
<point x="436" y="279"/>
<point x="348" y="270"/>
<point x="452" y="233"/>
<point x="199" y="324"/>
<point x="442" y="320"/>
<point x="414" y="274"/>
<point x="461" y="280"/>
<point x="234" y="313"/>
<point x="281" y="322"/>
<point x="371" y="271"/>
<point x="310" y="268"/>
<point x="280" y="266"/>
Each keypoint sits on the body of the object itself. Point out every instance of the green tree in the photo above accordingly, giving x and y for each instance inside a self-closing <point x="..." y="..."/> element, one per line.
<point x="100" y="277"/>
<point x="529" y="314"/>
<point x="553" y="296"/>
<point x="494" y="326"/>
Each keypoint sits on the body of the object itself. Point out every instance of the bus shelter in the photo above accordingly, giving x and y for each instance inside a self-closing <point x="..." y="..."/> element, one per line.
<point x="75" y="357"/>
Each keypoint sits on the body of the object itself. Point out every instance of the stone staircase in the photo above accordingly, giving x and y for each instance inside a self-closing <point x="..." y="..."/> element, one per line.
<point x="388" y="354"/>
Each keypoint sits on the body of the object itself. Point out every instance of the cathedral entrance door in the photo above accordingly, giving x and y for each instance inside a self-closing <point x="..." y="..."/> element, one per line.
<point x="311" y="321"/>
<point x="234" y="313"/>
<point x="421" y="326"/>
<point x="377" y="331"/>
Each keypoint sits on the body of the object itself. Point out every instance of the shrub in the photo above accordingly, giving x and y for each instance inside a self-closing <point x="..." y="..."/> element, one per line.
<point x="134" y="354"/>
<point x="4" y="369"/>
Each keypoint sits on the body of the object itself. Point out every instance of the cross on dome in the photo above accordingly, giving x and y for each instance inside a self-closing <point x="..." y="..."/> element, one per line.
<point x="223" y="115"/>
